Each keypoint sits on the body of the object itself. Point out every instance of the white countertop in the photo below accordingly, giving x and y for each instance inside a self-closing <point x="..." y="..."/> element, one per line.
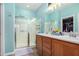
<point x="64" y="37"/>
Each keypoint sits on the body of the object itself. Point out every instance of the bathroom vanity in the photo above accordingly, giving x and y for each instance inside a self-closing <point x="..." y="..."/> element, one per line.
<point x="52" y="45"/>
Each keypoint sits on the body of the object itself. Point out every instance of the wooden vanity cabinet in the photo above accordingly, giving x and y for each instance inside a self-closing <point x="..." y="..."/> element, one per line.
<point x="57" y="48"/>
<point x="43" y="45"/>
<point x="47" y="46"/>
<point x="39" y="45"/>
<point x="63" y="48"/>
<point x="70" y="49"/>
<point x="47" y="42"/>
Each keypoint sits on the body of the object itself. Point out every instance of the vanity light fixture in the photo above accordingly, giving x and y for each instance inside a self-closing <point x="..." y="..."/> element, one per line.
<point x="27" y="6"/>
<point x="53" y="6"/>
<point x="50" y="8"/>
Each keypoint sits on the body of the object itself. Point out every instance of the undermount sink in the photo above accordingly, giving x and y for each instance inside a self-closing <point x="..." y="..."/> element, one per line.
<point x="62" y="36"/>
<point x="68" y="37"/>
<point x="77" y="37"/>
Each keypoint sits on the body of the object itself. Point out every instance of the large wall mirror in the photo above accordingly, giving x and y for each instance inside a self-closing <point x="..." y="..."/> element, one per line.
<point x="67" y="24"/>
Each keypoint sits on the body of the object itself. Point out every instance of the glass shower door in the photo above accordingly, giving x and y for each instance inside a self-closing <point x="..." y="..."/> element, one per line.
<point x="21" y="33"/>
<point x="25" y="33"/>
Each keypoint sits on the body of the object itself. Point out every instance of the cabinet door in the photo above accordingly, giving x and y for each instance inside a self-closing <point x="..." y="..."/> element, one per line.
<point x="70" y="49"/>
<point x="39" y="44"/>
<point x="47" y="46"/>
<point x="57" y="48"/>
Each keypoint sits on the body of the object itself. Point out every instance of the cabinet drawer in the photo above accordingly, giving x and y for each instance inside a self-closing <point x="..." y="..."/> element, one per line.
<point x="38" y="39"/>
<point x="66" y="43"/>
<point x="70" y="44"/>
<point x="46" y="40"/>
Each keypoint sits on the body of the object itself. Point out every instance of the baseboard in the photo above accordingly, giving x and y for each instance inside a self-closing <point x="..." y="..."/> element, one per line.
<point x="10" y="53"/>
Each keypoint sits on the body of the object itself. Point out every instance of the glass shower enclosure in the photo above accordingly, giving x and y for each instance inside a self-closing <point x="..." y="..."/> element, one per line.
<point x="25" y="31"/>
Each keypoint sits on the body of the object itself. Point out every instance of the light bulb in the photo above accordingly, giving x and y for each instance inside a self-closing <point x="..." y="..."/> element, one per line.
<point x="27" y="6"/>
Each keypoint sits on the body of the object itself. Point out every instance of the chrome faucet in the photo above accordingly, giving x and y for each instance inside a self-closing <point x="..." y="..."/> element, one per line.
<point x="72" y="34"/>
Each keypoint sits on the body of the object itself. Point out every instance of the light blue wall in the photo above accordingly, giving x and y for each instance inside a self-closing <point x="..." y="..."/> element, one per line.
<point x="41" y="15"/>
<point x="24" y="12"/>
<point x="72" y="9"/>
<point x="9" y="10"/>
<point x="63" y="11"/>
<point x="9" y="20"/>
<point x="66" y="10"/>
<point x="45" y="16"/>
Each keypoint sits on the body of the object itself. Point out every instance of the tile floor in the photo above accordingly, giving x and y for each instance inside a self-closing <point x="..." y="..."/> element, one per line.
<point x="29" y="51"/>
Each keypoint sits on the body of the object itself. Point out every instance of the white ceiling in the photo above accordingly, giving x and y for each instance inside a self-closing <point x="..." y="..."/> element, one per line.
<point x="32" y="6"/>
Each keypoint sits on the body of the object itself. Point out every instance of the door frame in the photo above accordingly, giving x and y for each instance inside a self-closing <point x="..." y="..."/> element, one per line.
<point x="2" y="30"/>
<point x="14" y="30"/>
